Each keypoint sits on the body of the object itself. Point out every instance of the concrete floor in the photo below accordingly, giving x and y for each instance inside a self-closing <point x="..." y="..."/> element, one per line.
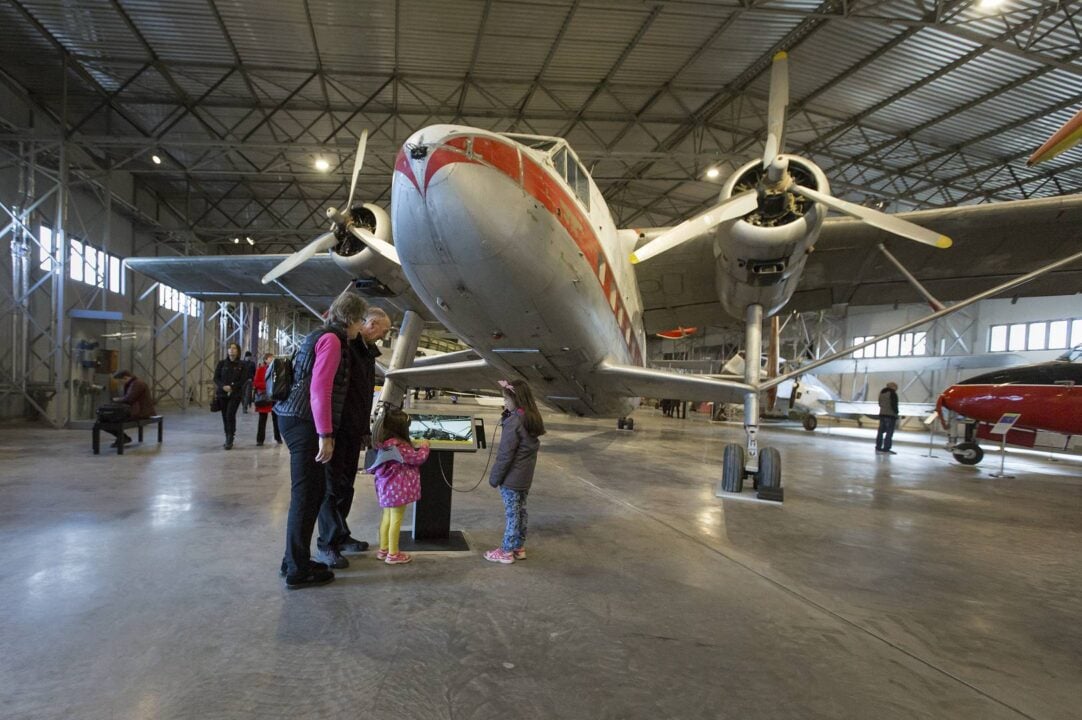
<point x="145" y="586"/>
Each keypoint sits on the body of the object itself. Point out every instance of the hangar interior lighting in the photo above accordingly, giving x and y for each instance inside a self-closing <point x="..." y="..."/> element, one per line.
<point x="156" y="159"/>
<point x="322" y="165"/>
<point x="990" y="4"/>
<point x="712" y="173"/>
<point x="236" y="241"/>
<point x="250" y="240"/>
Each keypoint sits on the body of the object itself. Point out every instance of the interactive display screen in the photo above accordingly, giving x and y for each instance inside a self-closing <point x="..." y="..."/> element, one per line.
<point x="444" y="432"/>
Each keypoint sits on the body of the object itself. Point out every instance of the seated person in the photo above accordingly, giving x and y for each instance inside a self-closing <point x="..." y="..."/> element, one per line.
<point x="137" y="397"/>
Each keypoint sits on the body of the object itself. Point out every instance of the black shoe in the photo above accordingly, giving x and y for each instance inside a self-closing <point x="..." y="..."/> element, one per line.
<point x="332" y="558"/>
<point x="312" y="566"/>
<point x="310" y="579"/>
<point x="278" y="441"/>
<point x="260" y="443"/>
<point x="352" y="545"/>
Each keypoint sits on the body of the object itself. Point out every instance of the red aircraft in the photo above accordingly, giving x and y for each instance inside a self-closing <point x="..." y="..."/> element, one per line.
<point x="1047" y="396"/>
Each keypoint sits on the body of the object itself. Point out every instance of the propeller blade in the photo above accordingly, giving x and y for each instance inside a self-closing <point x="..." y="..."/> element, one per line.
<point x="875" y="218"/>
<point x="779" y="102"/>
<point x="735" y="207"/>
<point x="324" y="242"/>
<point x="381" y="247"/>
<point x="358" y="161"/>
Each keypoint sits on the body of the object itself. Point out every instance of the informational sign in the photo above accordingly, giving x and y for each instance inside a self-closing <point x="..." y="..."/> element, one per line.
<point x="1005" y="423"/>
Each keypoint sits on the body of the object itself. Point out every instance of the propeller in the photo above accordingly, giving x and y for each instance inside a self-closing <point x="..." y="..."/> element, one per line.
<point x="324" y="242"/>
<point x="735" y="207"/>
<point x="775" y="126"/>
<point x="890" y="223"/>
<point x="328" y="240"/>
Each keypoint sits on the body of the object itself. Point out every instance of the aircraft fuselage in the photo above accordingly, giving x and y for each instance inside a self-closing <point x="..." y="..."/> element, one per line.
<point x="516" y="252"/>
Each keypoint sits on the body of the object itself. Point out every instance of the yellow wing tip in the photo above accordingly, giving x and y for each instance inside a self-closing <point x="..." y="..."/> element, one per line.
<point x="944" y="242"/>
<point x="781" y="55"/>
<point x="634" y="259"/>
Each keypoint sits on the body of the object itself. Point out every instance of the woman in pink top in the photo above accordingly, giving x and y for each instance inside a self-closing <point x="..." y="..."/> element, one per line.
<point x="398" y="481"/>
<point x="308" y="419"/>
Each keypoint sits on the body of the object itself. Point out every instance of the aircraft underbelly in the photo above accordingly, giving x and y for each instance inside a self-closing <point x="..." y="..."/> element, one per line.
<point x="500" y="271"/>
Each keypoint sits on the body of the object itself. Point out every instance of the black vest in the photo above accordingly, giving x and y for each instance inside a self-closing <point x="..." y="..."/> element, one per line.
<point x="299" y="402"/>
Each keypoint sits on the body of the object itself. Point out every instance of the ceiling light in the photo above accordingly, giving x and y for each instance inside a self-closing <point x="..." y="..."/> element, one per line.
<point x="250" y="241"/>
<point x="990" y="4"/>
<point x="236" y="241"/>
<point x="156" y="160"/>
<point x="713" y="173"/>
<point x="322" y="165"/>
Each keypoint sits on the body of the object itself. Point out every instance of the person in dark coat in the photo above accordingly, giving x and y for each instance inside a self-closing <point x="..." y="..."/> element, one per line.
<point x="353" y="436"/>
<point x="229" y="378"/>
<point x="309" y="419"/>
<point x="888" y="419"/>
<point x="248" y="393"/>
<point x="136" y="395"/>
<point x="512" y="473"/>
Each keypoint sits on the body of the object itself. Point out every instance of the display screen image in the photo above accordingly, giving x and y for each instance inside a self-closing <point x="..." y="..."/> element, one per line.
<point x="446" y="431"/>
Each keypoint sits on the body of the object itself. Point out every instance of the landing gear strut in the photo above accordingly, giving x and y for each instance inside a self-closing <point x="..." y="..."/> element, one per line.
<point x="737" y="463"/>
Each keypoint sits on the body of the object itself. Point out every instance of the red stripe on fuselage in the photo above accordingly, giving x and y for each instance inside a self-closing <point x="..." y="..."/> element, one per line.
<point x="538" y="183"/>
<point x="402" y="165"/>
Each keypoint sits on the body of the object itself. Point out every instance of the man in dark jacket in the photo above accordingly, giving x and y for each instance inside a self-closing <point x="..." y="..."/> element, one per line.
<point x="888" y="418"/>
<point x="136" y="395"/>
<point x="350" y="439"/>
<point x="248" y="394"/>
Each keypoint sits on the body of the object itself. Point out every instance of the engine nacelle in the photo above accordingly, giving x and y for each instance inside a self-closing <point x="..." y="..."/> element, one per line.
<point x="351" y="254"/>
<point x="760" y="257"/>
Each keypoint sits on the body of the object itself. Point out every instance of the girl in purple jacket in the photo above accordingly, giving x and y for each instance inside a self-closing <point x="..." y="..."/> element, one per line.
<point x="397" y="468"/>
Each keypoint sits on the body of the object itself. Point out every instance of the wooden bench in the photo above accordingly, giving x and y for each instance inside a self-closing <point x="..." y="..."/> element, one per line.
<point x="118" y="429"/>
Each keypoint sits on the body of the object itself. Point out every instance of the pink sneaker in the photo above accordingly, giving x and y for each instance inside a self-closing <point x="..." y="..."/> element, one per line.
<point x="381" y="554"/>
<point x="399" y="558"/>
<point x="500" y="555"/>
<point x="519" y="553"/>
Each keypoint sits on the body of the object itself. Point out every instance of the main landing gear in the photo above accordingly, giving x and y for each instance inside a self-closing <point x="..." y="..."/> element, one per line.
<point x="625" y="423"/>
<point x="968" y="452"/>
<point x="810" y="422"/>
<point x="763" y="466"/>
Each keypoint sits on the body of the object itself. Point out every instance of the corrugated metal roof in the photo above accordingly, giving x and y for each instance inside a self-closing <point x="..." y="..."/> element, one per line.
<point x="694" y="84"/>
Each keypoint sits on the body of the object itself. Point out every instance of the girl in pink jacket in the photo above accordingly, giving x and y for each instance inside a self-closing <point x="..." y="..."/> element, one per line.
<point x="398" y="481"/>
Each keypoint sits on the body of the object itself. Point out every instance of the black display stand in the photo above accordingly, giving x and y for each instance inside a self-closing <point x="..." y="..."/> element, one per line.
<point x="432" y="513"/>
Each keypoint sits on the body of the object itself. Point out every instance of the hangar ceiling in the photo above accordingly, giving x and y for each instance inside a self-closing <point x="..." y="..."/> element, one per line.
<point x="905" y="104"/>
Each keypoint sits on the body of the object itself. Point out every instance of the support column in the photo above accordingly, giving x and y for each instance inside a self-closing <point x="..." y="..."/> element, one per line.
<point x="402" y="357"/>
<point x="753" y="348"/>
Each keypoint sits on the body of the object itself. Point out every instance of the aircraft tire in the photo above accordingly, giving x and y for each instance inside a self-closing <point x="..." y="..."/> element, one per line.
<point x="629" y="424"/>
<point x="732" y="468"/>
<point x="769" y="468"/>
<point x="619" y="423"/>
<point x="968" y="453"/>
<point x="810" y="422"/>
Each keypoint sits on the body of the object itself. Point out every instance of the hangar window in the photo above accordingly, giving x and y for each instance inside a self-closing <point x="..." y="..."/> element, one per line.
<point x="903" y="345"/>
<point x="86" y="263"/>
<point x="172" y="299"/>
<point x="1042" y="335"/>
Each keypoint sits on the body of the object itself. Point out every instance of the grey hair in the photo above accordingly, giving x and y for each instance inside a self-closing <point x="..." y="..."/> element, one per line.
<point x="347" y="308"/>
<point x="377" y="313"/>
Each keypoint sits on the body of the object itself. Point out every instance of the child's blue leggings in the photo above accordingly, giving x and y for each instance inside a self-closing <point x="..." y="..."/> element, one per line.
<point x="514" y="505"/>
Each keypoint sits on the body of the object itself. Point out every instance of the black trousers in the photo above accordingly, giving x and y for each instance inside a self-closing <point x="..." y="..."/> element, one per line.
<point x="261" y="429"/>
<point x="884" y="439"/>
<point x="338" y="499"/>
<point x="308" y="480"/>
<point x="230" y="403"/>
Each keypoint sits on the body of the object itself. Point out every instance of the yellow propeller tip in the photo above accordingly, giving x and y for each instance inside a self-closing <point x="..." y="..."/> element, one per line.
<point x="634" y="259"/>
<point x="781" y="55"/>
<point x="944" y="242"/>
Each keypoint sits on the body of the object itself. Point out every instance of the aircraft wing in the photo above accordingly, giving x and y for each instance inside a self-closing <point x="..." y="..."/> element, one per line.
<point x="235" y="278"/>
<point x="634" y="381"/>
<point x="992" y="242"/>
<point x="871" y="409"/>
<point x="918" y="363"/>
<point x="466" y="375"/>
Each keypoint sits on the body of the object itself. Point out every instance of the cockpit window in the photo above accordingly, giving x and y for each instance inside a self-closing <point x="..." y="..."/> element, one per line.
<point x="544" y="144"/>
<point x="563" y="161"/>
